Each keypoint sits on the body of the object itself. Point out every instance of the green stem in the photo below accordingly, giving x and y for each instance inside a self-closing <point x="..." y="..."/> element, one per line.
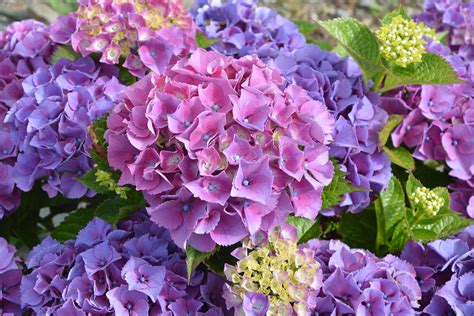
<point x="381" y="238"/>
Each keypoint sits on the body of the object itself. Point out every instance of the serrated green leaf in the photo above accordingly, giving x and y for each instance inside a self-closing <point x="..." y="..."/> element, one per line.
<point x="306" y="28"/>
<point x="332" y="193"/>
<point x="393" y="121"/>
<point x="393" y="205"/>
<point x="403" y="223"/>
<point x="401" y="157"/>
<point x="72" y="224"/>
<point x="203" y="41"/>
<point x="306" y="228"/>
<point x="194" y="258"/>
<point x="432" y="69"/>
<point x="359" y="42"/>
<point x="64" y="52"/>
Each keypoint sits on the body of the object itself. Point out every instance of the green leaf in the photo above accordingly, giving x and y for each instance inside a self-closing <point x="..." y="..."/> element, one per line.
<point x="64" y="7"/>
<point x="203" y="41"/>
<point x="306" y="28"/>
<point x="220" y="257"/>
<point x="194" y="258"/>
<point x="361" y="44"/>
<point x="400" y="11"/>
<point x="411" y="186"/>
<point x="64" y="52"/>
<point x="72" y="224"/>
<point x="432" y="69"/>
<point x="113" y="210"/>
<point x="403" y="223"/>
<point x="401" y="157"/>
<point x="359" y="230"/>
<point x="307" y="229"/>
<point x="89" y="180"/>
<point x="393" y="205"/>
<point x="393" y="121"/>
<point x="332" y="193"/>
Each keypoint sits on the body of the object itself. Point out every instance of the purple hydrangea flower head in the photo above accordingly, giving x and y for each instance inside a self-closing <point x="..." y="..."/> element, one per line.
<point x="455" y="17"/>
<point x="242" y="28"/>
<point x="24" y="48"/>
<point x="47" y="128"/>
<point x="444" y="270"/>
<point x="134" y="269"/>
<point x="215" y="168"/>
<point x="10" y="278"/>
<point x="140" y="34"/>
<point x="438" y="124"/>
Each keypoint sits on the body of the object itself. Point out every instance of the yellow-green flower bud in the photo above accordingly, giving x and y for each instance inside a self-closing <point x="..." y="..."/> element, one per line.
<point x="401" y="40"/>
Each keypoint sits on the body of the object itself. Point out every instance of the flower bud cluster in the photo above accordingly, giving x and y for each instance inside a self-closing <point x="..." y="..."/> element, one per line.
<point x="287" y="275"/>
<point x="402" y="40"/>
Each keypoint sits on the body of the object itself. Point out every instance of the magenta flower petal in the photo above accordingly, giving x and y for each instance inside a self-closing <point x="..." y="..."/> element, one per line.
<point x="253" y="180"/>
<point x="213" y="189"/>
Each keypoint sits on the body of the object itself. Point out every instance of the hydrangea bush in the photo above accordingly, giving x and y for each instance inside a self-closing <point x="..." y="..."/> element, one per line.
<point x="219" y="150"/>
<point x="255" y="175"/>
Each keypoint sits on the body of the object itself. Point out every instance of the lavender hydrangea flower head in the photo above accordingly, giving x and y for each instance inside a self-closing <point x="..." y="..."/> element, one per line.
<point x="438" y="125"/>
<point x="24" y="47"/>
<point x="145" y="34"/>
<point x="338" y="83"/>
<point x="243" y="28"/>
<point x="219" y="150"/>
<point x="456" y="17"/>
<point x="444" y="270"/>
<point x="10" y="277"/>
<point x="47" y="126"/>
<point x="277" y="277"/>
<point x="132" y="270"/>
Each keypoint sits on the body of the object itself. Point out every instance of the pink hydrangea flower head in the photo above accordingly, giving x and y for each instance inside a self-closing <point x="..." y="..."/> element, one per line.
<point x="220" y="150"/>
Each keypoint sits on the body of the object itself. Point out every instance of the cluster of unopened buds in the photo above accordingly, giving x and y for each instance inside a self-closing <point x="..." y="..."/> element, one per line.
<point x="276" y="278"/>
<point x="427" y="199"/>
<point x="402" y="40"/>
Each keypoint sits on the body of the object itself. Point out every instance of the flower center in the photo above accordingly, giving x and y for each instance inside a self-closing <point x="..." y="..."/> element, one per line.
<point x="245" y="183"/>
